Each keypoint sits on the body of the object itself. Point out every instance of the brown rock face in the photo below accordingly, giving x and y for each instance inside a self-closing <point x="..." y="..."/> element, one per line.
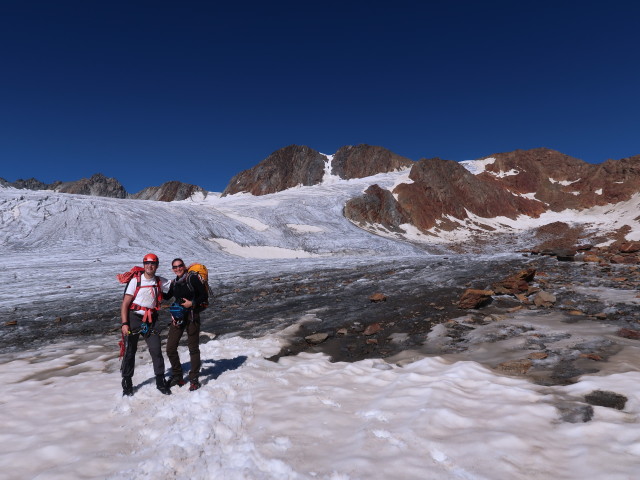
<point x="541" y="171"/>
<point x="365" y="160"/>
<point x="372" y="329"/>
<point x="444" y="191"/>
<point x="376" y="206"/>
<point x="516" y="283"/>
<point x="98" y="185"/>
<point x="285" y="168"/>
<point x="378" y="297"/>
<point x="444" y="187"/>
<point x="473" y="298"/>
<point x="628" y="333"/>
<point x="564" y="182"/>
<point x="168" y="192"/>
<point x="630" y="247"/>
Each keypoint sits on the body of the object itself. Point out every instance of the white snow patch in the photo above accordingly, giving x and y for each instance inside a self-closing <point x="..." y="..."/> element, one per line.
<point x="304" y="228"/>
<point x="510" y="173"/>
<point x="598" y="191"/>
<point x="249" y="221"/>
<point x="563" y="182"/>
<point x="477" y="166"/>
<point x="328" y="177"/>
<point x="599" y="218"/>
<point x="260" y="251"/>
<point x="530" y="196"/>
<point x="400" y="180"/>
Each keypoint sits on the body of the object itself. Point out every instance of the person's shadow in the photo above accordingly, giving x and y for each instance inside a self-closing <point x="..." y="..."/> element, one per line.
<point x="212" y="369"/>
<point x="207" y="373"/>
<point x="218" y="367"/>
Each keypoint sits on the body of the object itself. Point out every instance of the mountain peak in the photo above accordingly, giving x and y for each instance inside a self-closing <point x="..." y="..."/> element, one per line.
<point x="296" y="165"/>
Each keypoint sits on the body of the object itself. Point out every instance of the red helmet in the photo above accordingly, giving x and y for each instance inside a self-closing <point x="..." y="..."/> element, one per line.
<point x="150" y="257"/>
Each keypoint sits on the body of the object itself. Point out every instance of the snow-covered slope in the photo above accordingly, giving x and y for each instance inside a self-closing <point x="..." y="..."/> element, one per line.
<point x="307" y="220"/>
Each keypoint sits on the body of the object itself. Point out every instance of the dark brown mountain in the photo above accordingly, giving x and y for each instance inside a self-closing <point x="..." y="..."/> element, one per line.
<point x="561" y="181"/>
<point x="285" y="168"/>
<point x="365" y="160"/>
<point x="515" y="183"/>
<point x="169" y="191"/>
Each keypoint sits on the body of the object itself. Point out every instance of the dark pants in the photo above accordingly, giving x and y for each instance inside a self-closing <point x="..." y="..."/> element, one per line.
<point x="192" y="326"/>
<point x="131" y="347"/>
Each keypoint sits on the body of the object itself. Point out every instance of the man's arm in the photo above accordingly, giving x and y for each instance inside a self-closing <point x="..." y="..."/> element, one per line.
<point x="124" y="313"/>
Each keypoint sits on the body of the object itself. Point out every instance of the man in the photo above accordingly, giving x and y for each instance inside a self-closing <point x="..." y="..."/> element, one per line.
<point x="191" y="295"/>
<point x="139" y="315"/>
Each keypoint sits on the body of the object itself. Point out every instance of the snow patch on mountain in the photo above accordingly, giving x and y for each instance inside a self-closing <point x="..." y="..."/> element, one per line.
<point x="329" y="177"/>
<point x="477" y="166"/>
<point x="564" y="183"/>
<point x="599" y="219"/>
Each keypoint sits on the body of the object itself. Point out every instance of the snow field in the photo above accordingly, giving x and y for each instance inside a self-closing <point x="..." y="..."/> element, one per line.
<point x="302" y="418"/>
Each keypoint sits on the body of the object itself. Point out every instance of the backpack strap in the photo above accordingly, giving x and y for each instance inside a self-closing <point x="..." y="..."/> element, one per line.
<point x="148" y="311"/>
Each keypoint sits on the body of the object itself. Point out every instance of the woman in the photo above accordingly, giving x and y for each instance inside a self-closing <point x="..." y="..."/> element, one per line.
<point x="190" y="294"/>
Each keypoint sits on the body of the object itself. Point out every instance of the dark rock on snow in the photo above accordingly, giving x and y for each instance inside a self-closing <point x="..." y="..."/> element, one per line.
<point x="169" y="192"/>
<point x="605" y="398"/>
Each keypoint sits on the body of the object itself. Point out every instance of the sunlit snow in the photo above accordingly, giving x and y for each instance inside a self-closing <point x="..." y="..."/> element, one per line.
<point x="477" y="166"/>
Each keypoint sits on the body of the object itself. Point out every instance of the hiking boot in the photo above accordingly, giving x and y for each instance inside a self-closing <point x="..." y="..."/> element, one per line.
<point x="127" y="387"/>
<point x="176" y="381"/>
<point x="162" y="385"/>
<point x="195" y="385"/>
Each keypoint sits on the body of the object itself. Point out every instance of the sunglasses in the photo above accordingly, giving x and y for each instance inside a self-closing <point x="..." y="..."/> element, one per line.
<point x="150" y="263"/>
<point x="175" y="267"/>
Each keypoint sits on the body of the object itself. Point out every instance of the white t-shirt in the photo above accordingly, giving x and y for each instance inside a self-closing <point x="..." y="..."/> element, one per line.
<point x="146" y="296"/>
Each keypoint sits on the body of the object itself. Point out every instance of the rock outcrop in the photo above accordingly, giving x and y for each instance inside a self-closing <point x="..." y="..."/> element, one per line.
<point x="563" y="182"/>
<point x="169" y="192"/>
<point x="285" y="168"/>
<point x="377" y="206"/>
<point x="98" y="185"/>
<point x="29" y="184"/>
<point x="365" y="160"/>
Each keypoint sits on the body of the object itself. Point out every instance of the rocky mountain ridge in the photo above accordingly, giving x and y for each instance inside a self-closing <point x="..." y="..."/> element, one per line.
<point x="99" y="185"/>
<point x="444" y="195"/>
<point x="296" y="165"/>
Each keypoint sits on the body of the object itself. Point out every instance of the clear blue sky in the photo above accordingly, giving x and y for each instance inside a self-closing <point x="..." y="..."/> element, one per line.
<point x="196" y="91"/>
